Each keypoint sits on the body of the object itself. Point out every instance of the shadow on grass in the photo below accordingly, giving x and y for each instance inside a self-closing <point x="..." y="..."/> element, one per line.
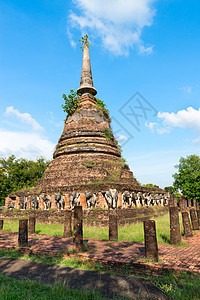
<point x="165" y="238"/>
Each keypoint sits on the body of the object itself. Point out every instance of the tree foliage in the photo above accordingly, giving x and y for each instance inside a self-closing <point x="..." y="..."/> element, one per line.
<point x="72" y="102"/>
<point x="17" y="174"/>
<point x="187" y="178"/>
<point x="84" y="41"/>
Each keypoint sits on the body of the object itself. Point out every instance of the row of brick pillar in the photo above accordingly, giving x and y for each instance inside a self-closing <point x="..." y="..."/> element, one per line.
<point x="183" y="203"/>
<point x="175" y="233"/>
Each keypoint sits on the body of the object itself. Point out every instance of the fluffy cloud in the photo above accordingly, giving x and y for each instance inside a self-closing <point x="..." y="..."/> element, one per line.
<point x="24" y="117"/>
<point x="27" y="145"/>
<point x="189" y="118"/>
<point x="118" y="23"/>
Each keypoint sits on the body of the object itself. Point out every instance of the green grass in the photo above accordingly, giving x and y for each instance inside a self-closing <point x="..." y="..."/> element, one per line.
<point x="182" y="286"/>
<point x="133" y="232"/>
<point x="13" y="289"/>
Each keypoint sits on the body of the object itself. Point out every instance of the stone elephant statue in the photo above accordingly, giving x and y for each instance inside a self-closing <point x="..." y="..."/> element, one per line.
<point x="59" y="201"/>
<point x="74" y="199"/>
<point x="47" y="201"/>
<point x="126" y="198"/>
<point x="23" y="202"/>
<point x="111" y="198"/>
<point x="34" y="202"/>
<point x="91" y="199"/>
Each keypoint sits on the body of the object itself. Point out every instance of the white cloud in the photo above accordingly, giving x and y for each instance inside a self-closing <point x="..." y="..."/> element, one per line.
<point x="156" y="127"/>
<point x="186" y="89"/>
<point x="189" y="118"/>
<point x="151" y="125"/>
<point x="118" y="23"/>
<point x="24" y="117"/>
<point x="121" y="137"/>
<point x="27" y="145"/>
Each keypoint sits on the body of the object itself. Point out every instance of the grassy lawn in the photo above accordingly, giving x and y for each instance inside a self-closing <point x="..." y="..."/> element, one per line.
<point x="12" y="289"/>
<point x="133" y="232"/>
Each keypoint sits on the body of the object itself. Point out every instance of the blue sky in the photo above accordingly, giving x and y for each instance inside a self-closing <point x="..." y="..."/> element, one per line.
<point x="144" y="54"/>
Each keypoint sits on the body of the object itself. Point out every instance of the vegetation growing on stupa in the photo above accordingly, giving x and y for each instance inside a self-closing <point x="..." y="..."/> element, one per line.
<point x="72" y="102"/>
<point x="84" y="41"/>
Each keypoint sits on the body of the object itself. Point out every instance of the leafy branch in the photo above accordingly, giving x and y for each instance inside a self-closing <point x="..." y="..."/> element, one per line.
<point x="84" y="41"/>
<point x="72" y="102"/>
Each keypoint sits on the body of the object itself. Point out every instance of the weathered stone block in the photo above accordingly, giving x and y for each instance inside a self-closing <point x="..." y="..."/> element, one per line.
<point x="198" y="216"/>
<point x="186" y="224"/>
<point x="194" y="203"/>
<point x="175" y="235"/>
<point x="78" y="228"/>
<point x="173" y="201"/>
<point x="1" y="224"/>
<point x="197" y="205"/>
<point x="113" y="228"/>
<point x="189" y="203"/>
<point x="151" y="246"/>
<point x="23" y="232"/>
<point x="31" y="227"/>
<point x="68" y="224"/>
<point x="193" y="216"/>
<point x="82" y="200"/>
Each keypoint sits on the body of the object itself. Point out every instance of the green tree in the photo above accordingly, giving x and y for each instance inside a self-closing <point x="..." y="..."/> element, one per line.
<point x="17" y="174"/>
<point x="187" y="178"/>
<point x="72" y="102"/>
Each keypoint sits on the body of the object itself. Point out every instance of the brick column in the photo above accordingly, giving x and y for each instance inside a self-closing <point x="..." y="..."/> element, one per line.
<point x="78" y="228"/>
<point x="186" y="224"/>
<point x="194" y="203"/>
<point x="151" y="246"/>
<point x="23" y="232"/>
<point x="66" y="200"/>
<point x="173" y="201"/>
<point x="31" y="228"/>
<point x="194" y="220"/>
<point x="175" y="235"/>
<point x="113" y="228"/>
<point x="68" y="224"/>
<point x="181" y="203"/>
<point x="1" y="224"/>
<point x="197" y="205"/>
<point x="198" y="216"/>
<point x="28" y="204"/>
<point x="189" y="203"/>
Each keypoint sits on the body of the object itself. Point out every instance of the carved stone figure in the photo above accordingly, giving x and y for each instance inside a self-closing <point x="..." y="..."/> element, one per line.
<point x="11" y="205"/>
<point x="34" y="202"/>
<point x="126" y="198"/>
<point x="91" y="199"/>
<point x="135" y="199"/>
<point x="47" y="202"/>
<point x="59" y="201"/>
<point x="74" y="199"/>
<point x="111" y="198"/>
<point x="23" y="202"/>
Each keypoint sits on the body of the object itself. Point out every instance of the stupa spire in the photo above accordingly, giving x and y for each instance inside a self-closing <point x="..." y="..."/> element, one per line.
<point x="86" y="84"/>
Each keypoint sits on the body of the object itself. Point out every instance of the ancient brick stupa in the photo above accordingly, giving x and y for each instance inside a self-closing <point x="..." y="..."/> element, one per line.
<point x="87" y="167"/>
<point x="87" y="155"/>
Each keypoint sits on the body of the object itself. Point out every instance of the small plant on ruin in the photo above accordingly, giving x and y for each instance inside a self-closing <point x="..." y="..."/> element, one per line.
<point x="102" y="108"/>
<point x="72" y="102"/>
<point x="84" y="41"/>
<point x="108" y="134"/>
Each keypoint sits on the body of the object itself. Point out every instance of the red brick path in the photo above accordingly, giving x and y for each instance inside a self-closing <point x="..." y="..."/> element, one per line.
<point x="179" y="258"/>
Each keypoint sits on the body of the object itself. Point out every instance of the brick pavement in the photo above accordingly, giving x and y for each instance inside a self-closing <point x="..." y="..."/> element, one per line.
<point x="185" y="258"/>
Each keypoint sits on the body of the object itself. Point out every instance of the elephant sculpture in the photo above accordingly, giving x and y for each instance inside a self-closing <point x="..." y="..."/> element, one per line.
<point x="74" y="199"/>
<point x="34" y="202"/>
<point x="126" y="198"/>
<point x="23" y="202"/>
<point x="47" y="202"/>
<point x="91" y="199"/>
<point x="111" y="198"/>
<point x="59" y="201"/>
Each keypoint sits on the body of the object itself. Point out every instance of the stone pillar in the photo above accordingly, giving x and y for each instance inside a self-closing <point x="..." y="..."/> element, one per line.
<point x="53" y="201"/>
<point x="194" y="203"/>
<point x="17" y="206"/>
<point x="167" y="192"/>
<point x="151" y="246"/>
<point x="186" y="224"/>
<point x="23" y="232"/>
<point x="175" y="235"/>
<point x="31" y="228"/>
<point x="193" y="216"/>
<point x="173" y="201"/>
<point x="68" y="224"/>
<point x="198" y="216"/>
<point x="181" y="203"/>
<point x="113" y="228"/>
<point x="189" y="203"/>
<point x="78" y="228"/>
<point x="82" y="200"/>
<point x="1" y="224"/>
<point x="197" y="205"/>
